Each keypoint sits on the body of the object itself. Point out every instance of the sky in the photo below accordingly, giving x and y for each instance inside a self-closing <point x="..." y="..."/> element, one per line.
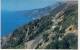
<point x="18" y="5"/>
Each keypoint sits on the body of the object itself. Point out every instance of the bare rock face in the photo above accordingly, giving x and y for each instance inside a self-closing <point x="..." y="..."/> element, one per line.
<point x="57" y="30"/>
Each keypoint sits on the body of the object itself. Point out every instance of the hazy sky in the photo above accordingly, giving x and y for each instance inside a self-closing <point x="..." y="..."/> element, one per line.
<point x="15" y="5"/>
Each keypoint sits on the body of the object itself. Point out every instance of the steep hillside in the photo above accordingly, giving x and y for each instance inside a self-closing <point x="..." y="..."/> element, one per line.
<point x="58" y="30"/>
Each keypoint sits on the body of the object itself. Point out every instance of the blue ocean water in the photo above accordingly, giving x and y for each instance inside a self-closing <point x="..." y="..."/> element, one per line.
<point x="11" y="20"/>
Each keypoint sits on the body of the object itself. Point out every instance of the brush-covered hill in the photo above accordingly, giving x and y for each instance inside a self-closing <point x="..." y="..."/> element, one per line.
<point x="58" y="30"/>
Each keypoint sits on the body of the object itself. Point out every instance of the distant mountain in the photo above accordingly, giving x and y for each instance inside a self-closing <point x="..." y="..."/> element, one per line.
<point x="38" y="12"/>
<point x="56" y="30"/>
<point x="42" y="11"/>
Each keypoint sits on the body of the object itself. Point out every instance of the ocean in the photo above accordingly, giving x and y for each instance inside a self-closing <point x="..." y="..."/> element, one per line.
<point x="12" y="20"/>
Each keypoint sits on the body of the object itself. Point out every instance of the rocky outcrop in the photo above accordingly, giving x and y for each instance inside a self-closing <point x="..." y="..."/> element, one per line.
<point x="47" y="32"/>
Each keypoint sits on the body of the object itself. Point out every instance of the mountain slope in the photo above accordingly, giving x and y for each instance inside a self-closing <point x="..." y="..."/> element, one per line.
<point x="58" y="30"/>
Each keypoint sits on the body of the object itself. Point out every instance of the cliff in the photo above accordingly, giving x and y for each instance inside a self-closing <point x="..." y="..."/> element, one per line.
<point x="57" y="30"/>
